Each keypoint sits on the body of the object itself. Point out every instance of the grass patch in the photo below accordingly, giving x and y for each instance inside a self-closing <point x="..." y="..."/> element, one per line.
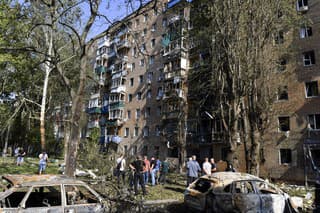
<point x="30" y="166"/>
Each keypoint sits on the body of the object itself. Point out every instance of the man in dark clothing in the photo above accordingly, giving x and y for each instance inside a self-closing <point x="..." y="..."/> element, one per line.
<point x="137" y="167"/>
<point x="164" y="171"/>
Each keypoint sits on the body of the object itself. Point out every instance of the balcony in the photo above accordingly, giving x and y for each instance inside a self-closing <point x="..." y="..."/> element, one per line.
<point x="118" y="89"/>
<point x="123" y="44"/>
<point x="109" y="54"/>
<point x="174" y="19"/>
<point x="100" y="69"/>
<point x="119" y="73"/>
<point x="116" y="105"/>
<point x="104" y="43"/>
<point x="176" y="74"/>
<point x="93" y="124"/>
<point x="171" y="115"/>
<point x="174" y="93"/>
<point x="105" y="109"/>
<point x="93" y="110"/>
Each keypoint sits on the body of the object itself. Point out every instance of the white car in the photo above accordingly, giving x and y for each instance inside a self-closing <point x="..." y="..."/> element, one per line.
<point x="48" y="193"/>
<point x="236" y="192"/>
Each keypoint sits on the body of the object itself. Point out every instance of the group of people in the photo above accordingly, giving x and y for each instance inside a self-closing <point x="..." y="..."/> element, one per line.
<point x="140" y="170"/>
<point x="193" y="168"/>
<point x="208" y="167"/>
<point x="43" y="159"/>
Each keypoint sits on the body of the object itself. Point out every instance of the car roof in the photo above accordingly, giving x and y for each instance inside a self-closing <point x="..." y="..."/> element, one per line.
<point x="30" y="180"/>
<point x="222" y="179"/>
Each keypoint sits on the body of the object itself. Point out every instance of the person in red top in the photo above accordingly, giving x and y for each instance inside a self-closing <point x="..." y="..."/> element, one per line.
<point x="146" y="169"/>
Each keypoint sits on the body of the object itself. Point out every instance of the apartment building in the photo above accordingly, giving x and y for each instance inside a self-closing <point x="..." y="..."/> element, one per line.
<point x="141" y="68"/>
<point x="142" y="103"/>
<point x="292" y="146"/>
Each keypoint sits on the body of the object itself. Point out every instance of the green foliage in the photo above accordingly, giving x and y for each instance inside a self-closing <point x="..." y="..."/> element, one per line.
<point x="90" y="156"/>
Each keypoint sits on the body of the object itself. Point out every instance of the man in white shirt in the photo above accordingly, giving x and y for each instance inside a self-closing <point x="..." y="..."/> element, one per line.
<point x="206" y="167"/>
<point x="121" y="166"/>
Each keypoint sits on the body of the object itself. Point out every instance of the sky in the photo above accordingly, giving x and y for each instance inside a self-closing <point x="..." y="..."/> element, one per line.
<point x="114" y="10"/>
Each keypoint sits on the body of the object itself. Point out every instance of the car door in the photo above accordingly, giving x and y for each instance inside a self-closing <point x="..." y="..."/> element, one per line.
<point x="43" y="199"/>
<point x="220" y="201"/>
<point x="273" y="200"/>
<point x="245" y="198"/>
<point x="10" y="200"/>
<point x="81" y="199"/>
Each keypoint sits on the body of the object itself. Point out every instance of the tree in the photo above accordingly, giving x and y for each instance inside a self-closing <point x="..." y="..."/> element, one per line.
<point x="238" y="46"/>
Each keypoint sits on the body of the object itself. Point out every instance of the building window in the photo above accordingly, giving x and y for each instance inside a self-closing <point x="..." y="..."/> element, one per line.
<point x="142" y="62"/>
<point x="140" y="79"/>
<point x="139" y="96"/>
<point x="136" y="131"/>
<point x="134" y="150"/>
<point x="129" y="114"/>
<point x="283" y="93"/>
<point x="129" y="97"/>
<point x="281" y="64"/>
<point x="153" y="43"/>
<point x="151" y="59"/>
<point x="134" y="51"/>
<point x="279" y="37"/>
<point x="284" y="123"/>
<point x="308" y="58"/>
<point x="126" y="132"/>
<point x="305" y="32"/>
<point x="131" y="82"/>
<point x="147" y="113"/>
<point x="138" y="113"/>
<point x="285" y="156"/>
<point x="312" y="89"/>
<point x="149" y="94"/>
<point x="145" y="31"/>
<point x="159" y="110"/>
<point x="302" y="5"/>
<point x="314" y="121"/>
<point x="153" y="28"/>
<point x="145" y="17"/>
<point x="137" y="22"/>
<point x="157" y="130"/>
<point x="164" y="22"/>
<point x="146" y="131"/>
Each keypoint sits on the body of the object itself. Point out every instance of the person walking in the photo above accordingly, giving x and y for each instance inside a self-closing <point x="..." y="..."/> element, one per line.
<point x="193" y="169"/>
<point x="155" y="166"/>
<point x="206" y="167"/>
<point x="20" y="156"/>
<point x="213" y="165"/>
<point x="43" y="162"/>
<point x="164" y="171"/>
<point x="121" y="169"/>
<point x="137" y="167"/>
<point x="146" y="170"/>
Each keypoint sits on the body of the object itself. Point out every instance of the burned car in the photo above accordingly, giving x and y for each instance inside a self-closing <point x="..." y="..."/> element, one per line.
<point x="235" y="192"/>
<point x="48" y="193"/>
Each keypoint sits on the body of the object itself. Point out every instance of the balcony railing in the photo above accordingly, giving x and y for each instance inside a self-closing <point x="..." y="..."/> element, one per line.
<point x="100" y="69"/>
<point x="93" y="110"/>
<point x="116" y="105"/>
<point x="109" y="54"/>
<point x="118" y="89"/>
<point x="123" y="43"/>
<point x="178" y="74"/>
<point x="171" y="115"/>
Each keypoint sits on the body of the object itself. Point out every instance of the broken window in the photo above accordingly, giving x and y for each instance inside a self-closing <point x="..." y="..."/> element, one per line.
<point x="312" y="89"/>
<point x="78" y="194"/>
<point x="202" y="185"/>
<point x="13" y="200"/>
<point x="285" y="156"/>
<point x="146" y="131"/>
<point x="283" y="93"/>
<point x="305" y="32"/>
<point x="308" y="58"/>
<point x="265" y="188"/>
<point x="44" y="196"/>
<point x="284" y="123"/>
<point x="243" y="187"/>
<point x="314" y="121"/>
<point x="281" y="64"/>
<point x="279" y="37"/>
